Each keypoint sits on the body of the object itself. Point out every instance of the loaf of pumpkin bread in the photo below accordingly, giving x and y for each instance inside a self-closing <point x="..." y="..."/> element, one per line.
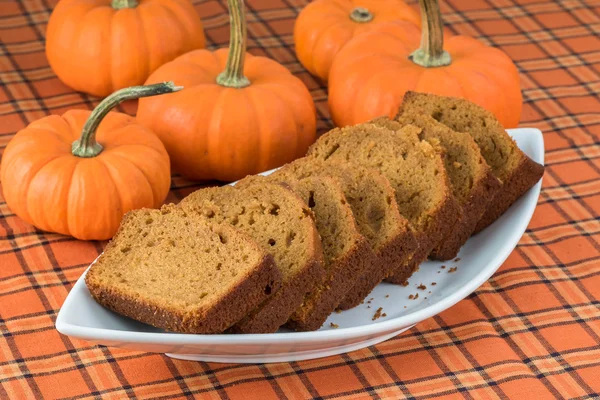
<point x="181" y="272"/>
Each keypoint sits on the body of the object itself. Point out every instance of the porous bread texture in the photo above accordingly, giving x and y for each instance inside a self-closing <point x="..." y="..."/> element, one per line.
<point x="346" y="251"/>
<point x="516" y="172"/>
<point x="280" y="221"/>
<point x="415" y="170"/>
<point x="181" y="272"/>
<point x="373" y="203"/>
<point x="473" y="183"/>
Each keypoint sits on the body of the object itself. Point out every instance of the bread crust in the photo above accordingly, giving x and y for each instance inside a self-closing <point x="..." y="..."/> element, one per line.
<point x="527" y="174"/>
<point x="441" y="222"/>
<point x="321" y="303"/>
<point x="389" y="260"/>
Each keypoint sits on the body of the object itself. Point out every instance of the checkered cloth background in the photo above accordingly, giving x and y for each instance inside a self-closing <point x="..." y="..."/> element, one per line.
<point x="531" y="332"/>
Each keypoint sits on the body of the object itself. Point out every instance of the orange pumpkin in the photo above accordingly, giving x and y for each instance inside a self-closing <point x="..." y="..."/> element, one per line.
<point x="324" y="27"/>
<point x="72" y="175"/>
<point x="100" y="46"/>
<point x="238" y="114"/>
<point x="371" y="74"/>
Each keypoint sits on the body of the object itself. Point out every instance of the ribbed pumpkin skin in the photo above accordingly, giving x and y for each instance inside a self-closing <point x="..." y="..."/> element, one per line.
<point x="48" y="187"/>
<point x="216" y="132"/>
<point x="96" y="49"/>
<point x="370" y="76"/>
<point x="324" y="27"/>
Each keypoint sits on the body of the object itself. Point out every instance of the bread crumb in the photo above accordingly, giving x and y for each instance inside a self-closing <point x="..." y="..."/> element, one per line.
<point x="443" y="266"/>
<point x="338" y="311"/>
<point x="404" y="306"/>
<point x="405" y="283"/>
<point x="453" y="269"/>
<point x="422" y="287"/>
<point x="433" y="283"/>
<point x="334" y="326"/>
<point x="387" y="295"/>
<point x="416" y="296"/>
<point x="411" y="296"/>
<point x="369" y="302"/>
<point x="384" y="315"/>
<point x="457" y="259"/>
<point x="377" y="314"/>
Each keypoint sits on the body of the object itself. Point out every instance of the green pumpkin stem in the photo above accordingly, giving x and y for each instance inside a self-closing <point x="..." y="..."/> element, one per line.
<point x="87" y="146"/>
<point x="119" y="4"/>
<point x="431" y="53"/>
<point x="361" y="15"/>
<point x="233" y="76"/>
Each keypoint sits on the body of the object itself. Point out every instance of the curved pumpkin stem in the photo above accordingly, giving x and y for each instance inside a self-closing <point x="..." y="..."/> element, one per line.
<point x="233" y="76"/>
<point x="119" y="4"/>
<point x="87" y="146"/>
<point x="361" y="15"/>
<point x="431" y="53"/>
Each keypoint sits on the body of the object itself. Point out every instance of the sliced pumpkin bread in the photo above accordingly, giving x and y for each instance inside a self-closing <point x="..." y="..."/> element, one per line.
<point x="182" y="273"/>
<point x="516" y="172"/>
<point x="280" y="221"/>
<point x="473" y="183"/>
<point x="346" y="251"/>
<point x="414" y="168"/>
<point x="374" y="207"/>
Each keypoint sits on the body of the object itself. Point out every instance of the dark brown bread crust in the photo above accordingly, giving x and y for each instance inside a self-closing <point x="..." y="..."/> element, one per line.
<point x="275" y="311"/>
<point x="527" y="174"/>
<point x="321" y="303"/>
<point x="391" y="259"/>
<point x="472" y="211"/>
<point x="441" y="223"/>
<point x="238" y="302"/>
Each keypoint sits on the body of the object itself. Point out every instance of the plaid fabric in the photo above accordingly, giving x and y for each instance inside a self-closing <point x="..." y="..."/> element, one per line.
<point x="532" y="331"/>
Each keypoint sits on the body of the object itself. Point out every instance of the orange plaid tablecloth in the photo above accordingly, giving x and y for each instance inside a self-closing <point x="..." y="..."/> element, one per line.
<point x="532" y="331"/>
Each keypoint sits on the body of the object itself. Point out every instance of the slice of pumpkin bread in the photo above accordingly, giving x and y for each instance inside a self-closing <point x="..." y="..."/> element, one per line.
<point x="516" y="172"/>
<point x="414" y="168"/>
<point x="473" y="183"/>
<point x="346" y="251"/>
<point x="182" y="273"/>
<point x="374" y="207"/>
<point x="280" y="221"/>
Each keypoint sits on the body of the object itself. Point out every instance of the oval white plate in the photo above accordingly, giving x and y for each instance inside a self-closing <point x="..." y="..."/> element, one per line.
<point x="81" y="317"/>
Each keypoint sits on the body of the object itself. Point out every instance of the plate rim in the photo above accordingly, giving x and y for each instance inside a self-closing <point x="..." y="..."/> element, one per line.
<point x="380" y="327"/>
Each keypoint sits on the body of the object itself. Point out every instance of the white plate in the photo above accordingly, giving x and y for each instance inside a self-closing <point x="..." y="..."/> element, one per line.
<point x="81" y="317"/>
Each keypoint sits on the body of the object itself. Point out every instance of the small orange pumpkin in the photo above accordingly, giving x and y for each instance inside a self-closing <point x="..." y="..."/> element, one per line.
<point x="72" y="175"/>
<point x="371" y="74"/>
<point x="100" y="46"/>
<point x="238" y="114"/>
<point x="324" y="27"/>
